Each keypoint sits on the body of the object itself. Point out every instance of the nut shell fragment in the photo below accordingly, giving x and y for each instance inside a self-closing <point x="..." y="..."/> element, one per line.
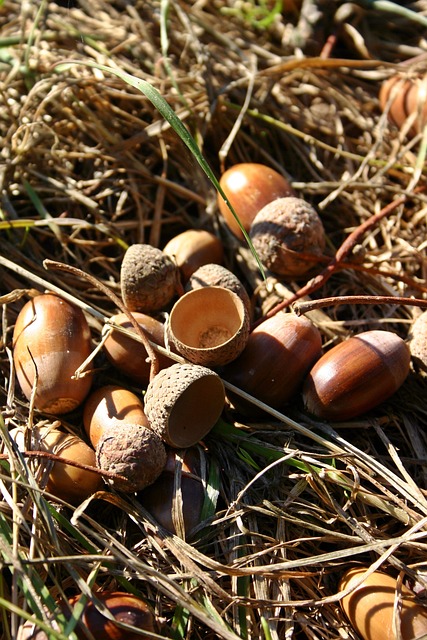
<point x="183" y="402"/>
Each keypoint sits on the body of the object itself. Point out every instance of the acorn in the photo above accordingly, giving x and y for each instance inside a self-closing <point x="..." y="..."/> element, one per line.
<point x="158" y="498"/>
<point x="67" y="482"/>
<point x="418" y="341"/>
<point x="282" y="230"/>
<point x="404" y="97"/>
<point x="193" y="248"/>
<point x="130" y="356"/>
<point x="183" y="402"/>
<point x="149" y="279"/>
<point x="370" y="607"/>
<point x="356" y="375"/>
<point x="215" y="275"/>
<point x="51" y="339"/>
<point x="118" y="428"/>
<point x="272" y="367"/>
<point x="209" y="326"/>
<point x="249" y="186"/>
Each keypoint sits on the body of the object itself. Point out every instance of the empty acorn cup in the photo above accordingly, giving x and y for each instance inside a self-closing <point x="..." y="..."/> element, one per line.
<point x="183" y="402"/>
<point x="209" y="326"/>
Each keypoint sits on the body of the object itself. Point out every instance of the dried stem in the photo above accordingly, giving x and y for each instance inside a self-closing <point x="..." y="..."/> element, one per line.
<point x="333" y="301"/>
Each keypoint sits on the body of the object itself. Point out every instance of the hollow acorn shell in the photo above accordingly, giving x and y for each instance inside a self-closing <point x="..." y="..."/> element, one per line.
<point x="130" y="356"/>
<point x="249" y="186"/>
<point x="183" y="402"/>
<point x="356" y="375"/>
<point x="193" y="248"/>
<point x="216" y="275"/>
<point x="52" y="338"/>
<point x="209" y="326"/>
<point x="370" y="607"/>
<point x="279" y="353"/>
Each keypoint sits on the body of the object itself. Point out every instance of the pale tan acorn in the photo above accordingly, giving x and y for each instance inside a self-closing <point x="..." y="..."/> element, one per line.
<point x="51" y="339"/>
<point x="356" y="375"/>
<point x="284" y="229"/>
<point x="418" y="341"/>
<point x="249" y="186"/>
<point x="193" y="248"/>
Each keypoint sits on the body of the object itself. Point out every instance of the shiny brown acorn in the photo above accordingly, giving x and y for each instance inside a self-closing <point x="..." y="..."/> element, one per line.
<point x="209" y="326"/>
<point x="118" y="428"/>
<point x="183" y="402"/>
<point x="356" y="375"/>
<point x="193" y="248"/>
<point x="370" y="606"/>
<point x="279" y="353"/>
<point x="158" y="498"/>
<point x="282" y="231"/>
<point x="405" y="97"/>
<point x="249" y="186"/>
<point x="51" y="339"/>
<point x="130" y="356"/>
<point x="149" y="279"/>
<point x="65" y="481"/>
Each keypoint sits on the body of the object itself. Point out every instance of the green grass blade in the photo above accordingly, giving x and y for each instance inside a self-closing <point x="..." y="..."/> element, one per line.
<point x="177" y="125"/>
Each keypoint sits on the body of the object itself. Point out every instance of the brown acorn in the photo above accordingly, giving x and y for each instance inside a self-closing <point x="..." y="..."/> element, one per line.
<point x="249" y="186"/>
<point x="183" y="402"/>
<point x="279" y="353"/>
<point x="282" y="230"/>
<point x="149" y="279"/>
<point x="404" y="97"/>
<point x="118" y="428"/>
<point x="193" y="248"/>
<point x="370" y="606"/>
<point x="51" y="339"/>
<point x="356" y="375"/>
<point x="209" y="326"/>
<point x="130" y="356"/>
<point x="158" y="498"/>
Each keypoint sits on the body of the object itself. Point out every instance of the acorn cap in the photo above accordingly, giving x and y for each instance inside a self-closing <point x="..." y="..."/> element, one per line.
<point x="209" y="326"/>
<point x="283" y="229"/>
<point x="148" y="278"/>
<point x="183" y="402"/>
<point x="133" y="451"/>
<point x="215" y="275"/>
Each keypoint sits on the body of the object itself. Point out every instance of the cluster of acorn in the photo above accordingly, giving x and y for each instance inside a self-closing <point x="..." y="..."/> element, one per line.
<point x="133" y="439"/>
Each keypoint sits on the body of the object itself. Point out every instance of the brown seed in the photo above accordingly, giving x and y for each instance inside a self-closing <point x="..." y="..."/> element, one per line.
<point x="183" y="402"/>
<point x="209" y="326"/>
<point x="356" y="375"/>
<point x="249" y="186"/>
<point x="404" y="97"/>
<point x="130" y="356"/>
<point x="370" y="607"/>
<point x="193" y="248"/>
<point x="149" y="279"/>
<point x="282" y="230"/>
<point x="279" y="353"/>
<point x="109" y="406"/>
<point x="51" y="339"/>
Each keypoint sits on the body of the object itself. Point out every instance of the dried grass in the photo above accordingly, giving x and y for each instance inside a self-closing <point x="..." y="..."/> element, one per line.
<point x="89" y="167"/>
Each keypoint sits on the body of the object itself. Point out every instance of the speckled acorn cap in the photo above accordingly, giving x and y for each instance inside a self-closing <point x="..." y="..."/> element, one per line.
<point x="215" y="275"/>
<point x="209" y="326"/>
<point x="183" y="402"/>
<point x="149" y="278"/>
<point x="283" y="229"/>
<point x="133" y="451"/>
